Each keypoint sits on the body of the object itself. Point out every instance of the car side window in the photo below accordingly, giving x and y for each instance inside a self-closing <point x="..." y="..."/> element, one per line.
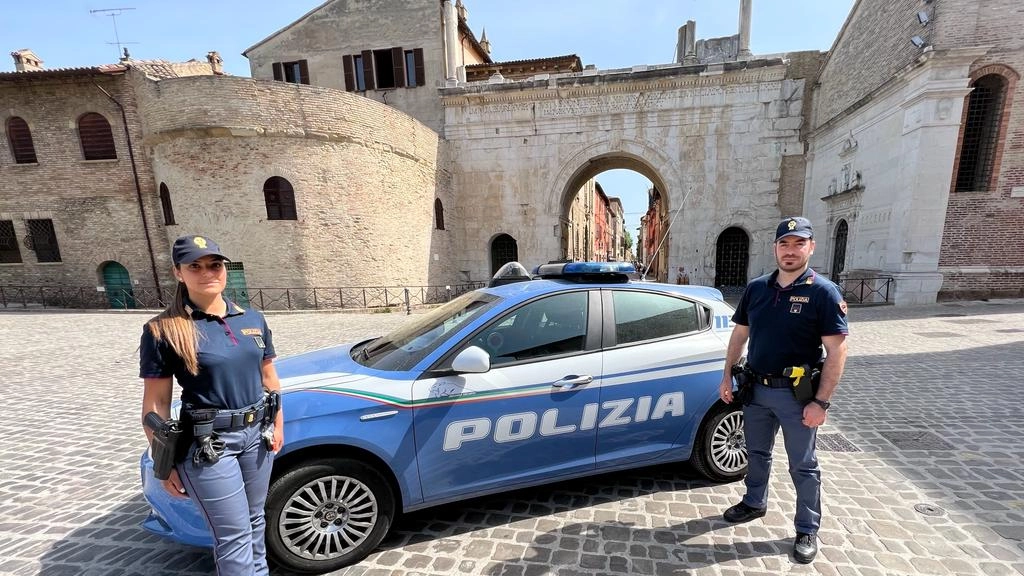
<point x="546" y="327"/>
<point x="646" y="316"/>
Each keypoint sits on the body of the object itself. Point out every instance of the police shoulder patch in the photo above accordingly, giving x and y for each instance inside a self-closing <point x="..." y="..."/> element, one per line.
<point x="842" y="307"/>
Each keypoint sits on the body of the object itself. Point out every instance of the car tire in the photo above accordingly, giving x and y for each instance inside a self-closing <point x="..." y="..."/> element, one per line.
<point x="327" y="514"/>
<point x="720" y="450"/>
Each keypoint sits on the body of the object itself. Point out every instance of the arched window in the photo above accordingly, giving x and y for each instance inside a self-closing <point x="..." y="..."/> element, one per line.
<point x="96" y="137"/>
<point x="503" y="250"/>
<point x="839" y="256"/>
<point x="981" y="133"/>
<point x="280" y="198"/>
<point x="732" y="253"/>
<point x="438" y="214"/>
<point x="165" y="203"/>
<point x="20" y="138"/>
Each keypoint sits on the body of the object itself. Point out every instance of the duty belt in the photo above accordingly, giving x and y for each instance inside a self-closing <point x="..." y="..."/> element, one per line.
<point x="774" y="381"/>
<point x="242" y="418"/>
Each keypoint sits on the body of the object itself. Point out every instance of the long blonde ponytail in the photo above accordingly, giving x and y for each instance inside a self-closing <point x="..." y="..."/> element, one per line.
<point x="175" y="326"/>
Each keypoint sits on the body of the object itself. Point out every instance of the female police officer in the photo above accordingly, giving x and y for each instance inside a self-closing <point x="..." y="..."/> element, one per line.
<point x="221" y="356"/>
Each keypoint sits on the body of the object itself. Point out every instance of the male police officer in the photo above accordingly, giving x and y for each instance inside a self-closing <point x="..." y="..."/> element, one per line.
<point x="788" y="316"/>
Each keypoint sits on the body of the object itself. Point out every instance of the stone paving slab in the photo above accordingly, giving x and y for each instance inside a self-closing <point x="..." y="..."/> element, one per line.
<point x="70" y="501"/>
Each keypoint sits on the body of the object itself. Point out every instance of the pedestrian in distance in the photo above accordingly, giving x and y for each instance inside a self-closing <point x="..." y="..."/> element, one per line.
<point x="788" y="317"/>
<point x="221" y="355"/>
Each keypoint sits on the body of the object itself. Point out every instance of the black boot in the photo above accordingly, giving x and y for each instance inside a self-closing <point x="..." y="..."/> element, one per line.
<point x="805" y="547"/>
<point x="743" y="513"/>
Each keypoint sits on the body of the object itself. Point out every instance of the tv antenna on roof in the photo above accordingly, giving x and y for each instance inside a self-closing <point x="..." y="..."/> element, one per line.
<point x="114" y="13"/>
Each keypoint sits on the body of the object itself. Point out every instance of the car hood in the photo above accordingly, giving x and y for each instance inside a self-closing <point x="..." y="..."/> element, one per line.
<point x="332" y="366"/>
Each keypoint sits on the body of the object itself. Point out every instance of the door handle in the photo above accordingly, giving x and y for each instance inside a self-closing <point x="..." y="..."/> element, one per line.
<point x="573" y="380"/>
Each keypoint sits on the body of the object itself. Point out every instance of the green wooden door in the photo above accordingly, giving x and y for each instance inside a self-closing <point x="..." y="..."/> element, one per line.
<point x="118" y="285"/>
<point x="236" y="290"/>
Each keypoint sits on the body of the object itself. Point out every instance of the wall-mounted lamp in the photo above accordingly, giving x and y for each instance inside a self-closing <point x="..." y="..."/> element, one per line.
<point x="918" y="41"/>
<point x="922" y="17"/>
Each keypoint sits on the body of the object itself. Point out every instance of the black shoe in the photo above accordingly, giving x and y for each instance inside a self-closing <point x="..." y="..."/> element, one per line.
<point x="743" y="513"/>
<point x="805" y="547"/>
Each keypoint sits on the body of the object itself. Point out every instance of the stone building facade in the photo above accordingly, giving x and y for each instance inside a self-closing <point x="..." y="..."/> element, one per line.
<point x="887" y="144"/>
<point x="366" y="154"/>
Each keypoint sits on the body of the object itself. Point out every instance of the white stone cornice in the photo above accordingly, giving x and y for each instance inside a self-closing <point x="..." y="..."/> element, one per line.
<point x="551" y="91"/>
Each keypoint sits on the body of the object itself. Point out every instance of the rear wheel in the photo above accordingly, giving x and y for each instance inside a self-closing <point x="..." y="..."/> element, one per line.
<point x="720" y="449"/>
<point x="327" y="514"/>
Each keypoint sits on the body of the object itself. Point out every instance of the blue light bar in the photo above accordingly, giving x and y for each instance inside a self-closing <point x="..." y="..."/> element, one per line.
<point x="584" y="268"/>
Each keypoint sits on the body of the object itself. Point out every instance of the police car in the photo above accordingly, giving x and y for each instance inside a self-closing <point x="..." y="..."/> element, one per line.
<point x="571" y="371"/>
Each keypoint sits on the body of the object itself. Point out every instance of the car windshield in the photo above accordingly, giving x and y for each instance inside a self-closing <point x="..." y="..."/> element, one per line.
<point x="405" y="347"/>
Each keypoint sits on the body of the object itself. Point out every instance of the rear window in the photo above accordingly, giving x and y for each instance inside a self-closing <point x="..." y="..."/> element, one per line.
<point x="647" y="316"/>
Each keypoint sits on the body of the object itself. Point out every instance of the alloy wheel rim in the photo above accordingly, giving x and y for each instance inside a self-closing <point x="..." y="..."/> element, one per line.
<point x="728" y="444"/>
<point x="328" y="517"/>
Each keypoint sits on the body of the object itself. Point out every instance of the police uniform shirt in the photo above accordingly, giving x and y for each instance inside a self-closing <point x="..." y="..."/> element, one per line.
<point x="231" y="354"/>
<point x="787" y="323"/>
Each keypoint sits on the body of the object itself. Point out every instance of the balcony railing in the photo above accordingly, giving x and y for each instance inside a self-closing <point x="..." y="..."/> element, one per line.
<point x="135" y="297"/>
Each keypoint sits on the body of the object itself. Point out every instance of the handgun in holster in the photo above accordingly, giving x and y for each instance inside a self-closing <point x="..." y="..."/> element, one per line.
<point x="273" y="404"/>
<point x="209" y="447"/>
<point x="164" y="445"/>
<point x="743" y="377"/>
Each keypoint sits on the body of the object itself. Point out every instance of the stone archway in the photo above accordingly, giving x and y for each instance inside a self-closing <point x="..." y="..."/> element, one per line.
<point x="639" y="157"/>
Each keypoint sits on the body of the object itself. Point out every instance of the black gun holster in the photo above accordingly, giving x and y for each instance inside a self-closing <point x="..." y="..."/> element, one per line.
<point x="165" y="446"/>
<point x="209" y="446"/>
<point x="743" y="377"/>
<point x="272" y="402"/>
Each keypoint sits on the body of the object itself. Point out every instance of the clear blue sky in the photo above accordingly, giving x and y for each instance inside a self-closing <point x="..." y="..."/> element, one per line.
<point x="606" y="33"/>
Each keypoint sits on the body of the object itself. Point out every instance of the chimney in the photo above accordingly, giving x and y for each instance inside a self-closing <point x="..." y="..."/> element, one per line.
<point x="216" y="62"/>
<point x="745" y="9"/>
<point x="26" y="61"/>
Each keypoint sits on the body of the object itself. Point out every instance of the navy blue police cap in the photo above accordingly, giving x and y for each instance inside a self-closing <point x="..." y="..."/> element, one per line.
<point x="794" y="226"/>
<point x="188" y="249"/>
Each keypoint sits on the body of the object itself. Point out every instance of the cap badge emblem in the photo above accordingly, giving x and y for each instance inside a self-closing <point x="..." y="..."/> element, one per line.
<point x="792" y="224"/>
<point x="199" y="241"/>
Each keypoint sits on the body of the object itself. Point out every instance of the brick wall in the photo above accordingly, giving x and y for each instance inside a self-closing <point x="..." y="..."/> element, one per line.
<point x="873" y="45"/>
<point x="982" y="245"/>
<point x="93" y="204"/>
<point x="365" y="178"/>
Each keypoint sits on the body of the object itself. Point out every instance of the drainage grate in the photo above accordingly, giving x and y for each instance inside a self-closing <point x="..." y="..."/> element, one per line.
<point x="835" y="443"/>
<point x="929" y="509"/>
<point x="937" y="334"/>
<point x="947" y="315"/>
<point x="973" y="321"/>
<point x="915" y="440"/>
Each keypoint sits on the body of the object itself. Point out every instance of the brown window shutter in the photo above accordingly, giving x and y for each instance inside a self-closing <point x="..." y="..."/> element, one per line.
<point x="303" y="72"/>
<point x="96" y="137"/>
<point x="20" y="138"/>
<point x="278" y="72"/>
<point x="368" y="69"/>
<point x="350" y="77"/>
<point x="421" y="78"/>
<point x="398" y="58"/>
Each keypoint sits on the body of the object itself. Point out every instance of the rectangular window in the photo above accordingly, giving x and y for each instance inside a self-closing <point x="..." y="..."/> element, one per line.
<point x="410" y="68"/>
<point x="44" y="240"/>
<point x="385" y="67"/>
<point x="10" y="253"/>
<point x="360" y="73"/>
<point x="294" y="72"/>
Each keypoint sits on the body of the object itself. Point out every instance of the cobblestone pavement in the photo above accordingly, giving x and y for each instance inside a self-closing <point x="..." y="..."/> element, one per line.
<point x="922" y="461"/>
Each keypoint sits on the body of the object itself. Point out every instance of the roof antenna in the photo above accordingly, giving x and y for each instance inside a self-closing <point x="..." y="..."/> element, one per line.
<point x="114" y="13"/>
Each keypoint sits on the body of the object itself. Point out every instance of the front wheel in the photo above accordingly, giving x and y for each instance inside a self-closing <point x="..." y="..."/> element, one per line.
<point x="720" y="449"/>
<point x="327" y="514"/>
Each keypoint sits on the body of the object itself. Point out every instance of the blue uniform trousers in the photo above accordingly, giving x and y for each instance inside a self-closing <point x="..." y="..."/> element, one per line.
<point x="231" y="495"/>
<point x="770" y="409"/>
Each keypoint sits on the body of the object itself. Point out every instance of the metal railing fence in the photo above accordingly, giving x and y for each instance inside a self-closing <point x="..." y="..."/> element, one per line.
<point x="136" y="297"/>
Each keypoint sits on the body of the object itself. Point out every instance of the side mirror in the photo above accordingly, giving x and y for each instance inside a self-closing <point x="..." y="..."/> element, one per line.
<point x="474" y="360"/>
